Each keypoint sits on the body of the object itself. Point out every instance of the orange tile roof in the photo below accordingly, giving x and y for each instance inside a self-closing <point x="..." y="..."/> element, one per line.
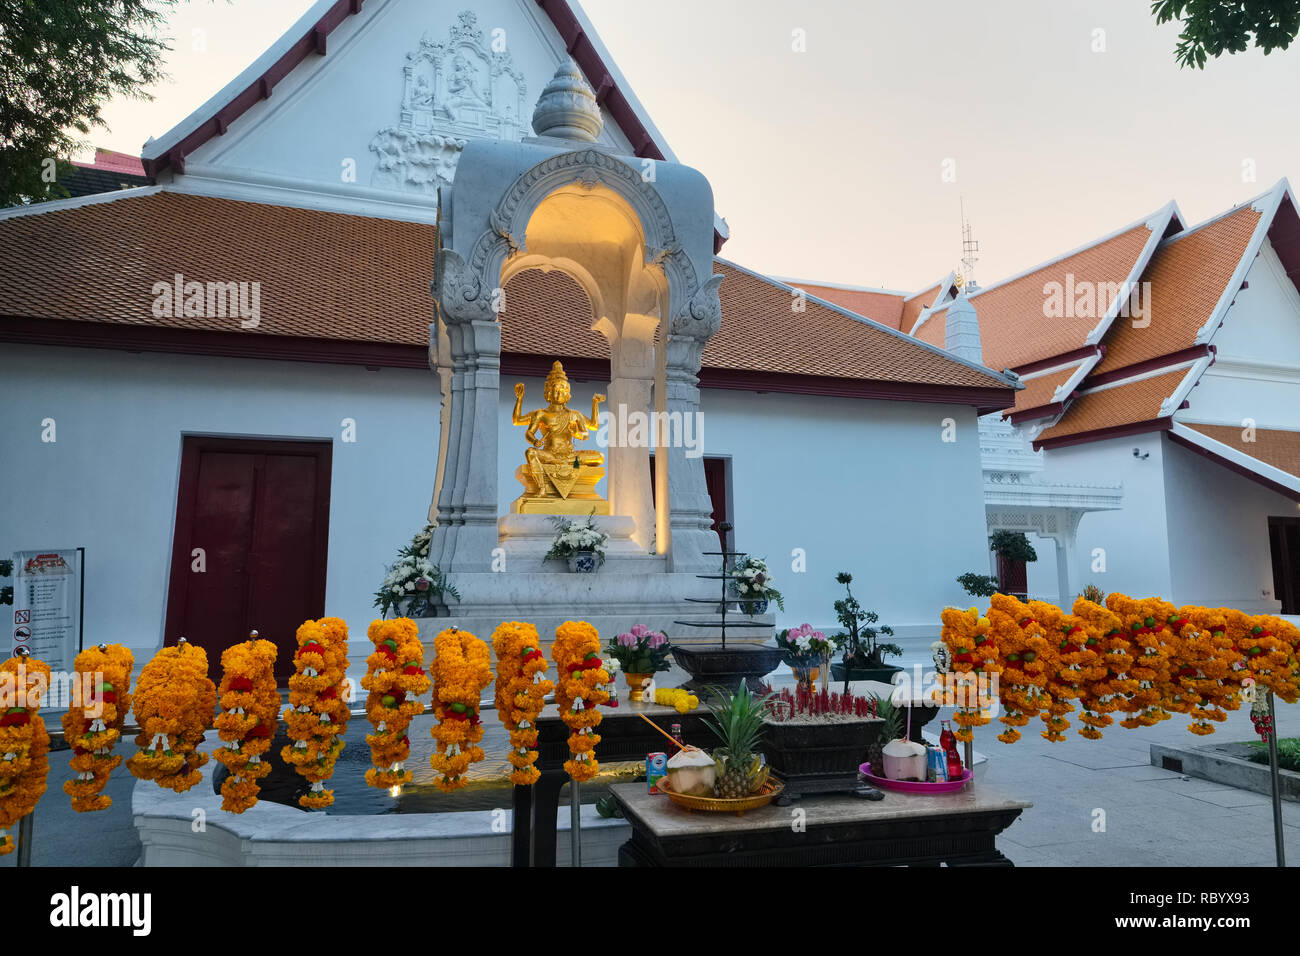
<point x="1013" y="328"/>
<point x="761" y="332"/>
<point x="321" y="274"/>
<point x="1188" y="275"/>
<point x="1272" y="446"/>
<point x="1127" y="404"/>
<point x="1038" y="391"/>
<point x="354" y="278"/>
<point x="883" y="307"/>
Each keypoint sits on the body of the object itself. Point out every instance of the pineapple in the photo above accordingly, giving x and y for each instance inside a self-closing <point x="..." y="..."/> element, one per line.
<point x="738" y="723"/>
<point x="890" y="730"/>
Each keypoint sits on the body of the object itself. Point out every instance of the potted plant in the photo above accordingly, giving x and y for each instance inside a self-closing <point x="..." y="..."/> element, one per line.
<point x="864" y="652"/>
<point x="641" y="653"/>
<point x="805" y="651"/>
<point x="816" y="741"/>
<point x="752" y="584"/>
<point x="580" y="543"/>
<point x="413" y="586"/>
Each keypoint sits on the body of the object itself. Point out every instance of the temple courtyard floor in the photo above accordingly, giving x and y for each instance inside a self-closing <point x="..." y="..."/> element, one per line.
<point x="1096" y="803"/>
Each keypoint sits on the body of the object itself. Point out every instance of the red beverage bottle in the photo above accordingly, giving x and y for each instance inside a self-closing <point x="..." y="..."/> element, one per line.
<point x="948" y="741"/>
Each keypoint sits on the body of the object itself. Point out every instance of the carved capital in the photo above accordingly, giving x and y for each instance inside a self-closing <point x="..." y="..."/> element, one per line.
<point x="701" y="315"/>
<point x="458" y="290"/>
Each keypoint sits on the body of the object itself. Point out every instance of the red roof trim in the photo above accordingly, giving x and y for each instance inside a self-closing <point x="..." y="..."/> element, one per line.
<point x="313" y="42"/>
<point x="1065" y="358"/>
<point x="1150" y="365"/>
<point x="1038" y="411"/>
<point x="289" y="348"/>
<point x="1099" y="434"/>
<point x="1235" y="467"/>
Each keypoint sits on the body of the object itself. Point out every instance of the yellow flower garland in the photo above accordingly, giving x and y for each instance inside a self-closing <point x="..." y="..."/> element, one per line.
<point x="521" y="694"/>
<point x="250" y="704"/>
<point x="317" y="715"/>
<point x="1107" y="683"/>
<point x="1023" y="649"/>
<point x="580" y="693"/>
<point x="24" y="743"/>
<point x="972" y="652"/>
<point x="174" y="705"/>
<point x="101" y="699"/>
<point x="680" y="700"/>
<point x="395" y="677"/>
<point x="462" y="669"/>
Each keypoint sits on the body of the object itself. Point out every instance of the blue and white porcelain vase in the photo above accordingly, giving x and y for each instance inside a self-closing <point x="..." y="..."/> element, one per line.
<point x="583" y="562"/>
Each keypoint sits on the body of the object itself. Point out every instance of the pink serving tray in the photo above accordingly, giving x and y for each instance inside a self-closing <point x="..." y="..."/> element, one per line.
<point x="910" y="786"/>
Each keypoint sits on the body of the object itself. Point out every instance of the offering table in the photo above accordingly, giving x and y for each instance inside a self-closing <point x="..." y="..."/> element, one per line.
<point x="958" y="829"/>
<point x="623" y="736"/>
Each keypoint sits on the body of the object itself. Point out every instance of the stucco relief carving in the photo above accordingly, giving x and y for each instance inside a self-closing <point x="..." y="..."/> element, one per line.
<point x="454" y="90"/>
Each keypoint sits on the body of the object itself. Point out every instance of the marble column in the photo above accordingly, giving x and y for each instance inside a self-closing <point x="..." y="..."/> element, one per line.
<point x="690" y="509"/>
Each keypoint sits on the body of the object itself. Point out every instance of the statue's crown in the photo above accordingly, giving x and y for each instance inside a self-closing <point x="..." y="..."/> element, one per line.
<point x="556" y="375"/>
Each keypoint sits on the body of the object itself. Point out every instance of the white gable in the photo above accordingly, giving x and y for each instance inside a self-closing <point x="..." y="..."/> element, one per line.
<point x="403" y="86"/>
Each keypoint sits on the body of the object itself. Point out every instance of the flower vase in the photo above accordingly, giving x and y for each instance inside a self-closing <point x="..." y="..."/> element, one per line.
<point x="582" y="562"/>
<point x="636" y="693"/>
<point x="755" y="606"/>
<point x="805" y="676"/>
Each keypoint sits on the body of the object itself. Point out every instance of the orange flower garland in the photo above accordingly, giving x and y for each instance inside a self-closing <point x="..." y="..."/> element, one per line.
<point x="101" y="699"/>
<point x="521" y="694"/>
<point x="395" y="677"/>
<point x="1069" y="664"/>
<point x="174" y="706"/>
<point x="1265" y="644"/>
<point x="1210" y="668"/>
<point x="1106" y="685"/>
<point x="250" y="704"/>
<point x="317" y="715"/>
<point x="462" y="669"/>
<point x="1150" y="649"/>
<point x="24" y="742"/>
<point x="973" y="652"/>
<point x="1023" y="646"/>
<point x="580" y="693"/>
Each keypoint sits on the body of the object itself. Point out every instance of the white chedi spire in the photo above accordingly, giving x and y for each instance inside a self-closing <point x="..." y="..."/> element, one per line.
<point x="567" y="108"/>
<point x="961" y="331"/>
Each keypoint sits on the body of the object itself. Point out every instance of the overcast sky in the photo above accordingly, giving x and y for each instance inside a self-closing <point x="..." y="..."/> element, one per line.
<point x="1061" y="121"/>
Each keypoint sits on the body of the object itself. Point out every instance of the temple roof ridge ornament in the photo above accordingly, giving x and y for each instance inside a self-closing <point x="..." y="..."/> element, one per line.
<point x="567" y="108"/>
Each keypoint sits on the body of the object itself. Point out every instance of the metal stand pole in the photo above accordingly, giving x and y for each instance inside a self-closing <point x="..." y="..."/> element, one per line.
<point x="575" y="822"/>
<point x="1278" y="836"/>
<point x="970" y="763"/>
<point x="25" y="827"/>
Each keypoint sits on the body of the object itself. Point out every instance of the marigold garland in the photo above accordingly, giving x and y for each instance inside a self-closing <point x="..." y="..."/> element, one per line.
<point x="579" y="693"/>
<point x="973" y="658"/>
<point x="1146" y="658"/>
<point x="682" y="701"/>
<point x="317" y="715"/>
<point x="462" y="669"/>
<point x="175" y="703"/>
<point x="24" y="743"/>
<point x="250" y="703"/>
<point x="395" y="678"/>
<point x="521" y="694"/>
<point x="101" y="699"/>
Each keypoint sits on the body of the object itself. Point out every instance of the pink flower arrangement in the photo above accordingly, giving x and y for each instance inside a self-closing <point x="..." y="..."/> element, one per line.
<point x="804" y="643"/>
<point x="641" y="650"/>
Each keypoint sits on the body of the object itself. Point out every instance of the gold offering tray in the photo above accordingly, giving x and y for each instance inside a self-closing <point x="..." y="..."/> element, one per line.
<point x="737" y="805"/>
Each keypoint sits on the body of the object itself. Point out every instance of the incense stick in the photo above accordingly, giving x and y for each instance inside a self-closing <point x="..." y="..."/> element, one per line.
<point x="676" y="742"/>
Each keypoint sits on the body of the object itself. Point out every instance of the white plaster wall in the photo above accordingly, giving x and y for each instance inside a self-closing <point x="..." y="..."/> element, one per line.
<point x="1041" y="574"/>
<point x="1218" y="534"/>
<point x="109" y="482"/>
<point x="1257" y="372"/>
<point x="867" y="487"/>
<point x="330" y="107"/>
<point x="1134" y="538"/>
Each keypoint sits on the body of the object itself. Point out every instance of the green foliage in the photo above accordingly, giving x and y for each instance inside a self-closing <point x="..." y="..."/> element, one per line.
<point x="1012" y="545"/>
<point x="1094" y="594"/>
<point x="979" y="585"/>
<point x="737" y="720"/>
<point x="608" y="807"/>
<point x="1214" y="27"/>
<point x="60" y="61"/>
<point x="861" y="643"/>
<point x="1288" y="753"/>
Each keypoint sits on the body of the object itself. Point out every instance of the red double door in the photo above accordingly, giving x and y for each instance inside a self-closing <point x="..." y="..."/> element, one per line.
<point x="252" y="531"/>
